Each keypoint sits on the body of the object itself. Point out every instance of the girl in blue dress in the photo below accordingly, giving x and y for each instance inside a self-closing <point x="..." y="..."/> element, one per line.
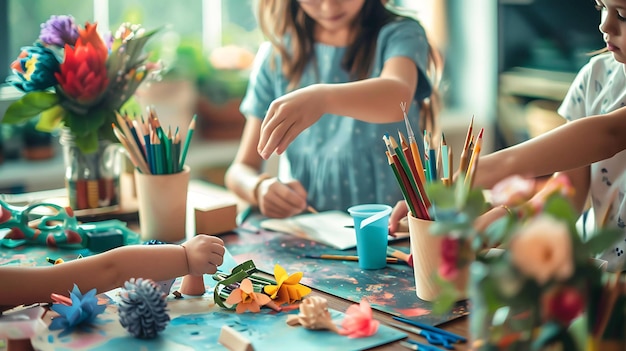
<point x="323" y="91"/>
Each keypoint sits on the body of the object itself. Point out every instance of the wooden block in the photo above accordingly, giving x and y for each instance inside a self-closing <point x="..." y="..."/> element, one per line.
<point x="233" y="340"/>
<point x="215" y="208"/>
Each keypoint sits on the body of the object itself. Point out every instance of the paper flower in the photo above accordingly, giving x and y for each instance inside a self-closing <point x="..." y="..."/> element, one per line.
<point x="359" y="321"/>
<point x="314" y="315"/>
<point x="82" y="312"/>
<point x="143" y="309"/>
<point x="542" y="249"/>
<point x="288" y="288"/>
<point x="76" y="78"/>
<point x="246" y="299"/>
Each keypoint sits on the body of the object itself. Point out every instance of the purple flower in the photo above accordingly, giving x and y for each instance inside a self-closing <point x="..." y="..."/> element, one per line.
<point x="58" y="31"/>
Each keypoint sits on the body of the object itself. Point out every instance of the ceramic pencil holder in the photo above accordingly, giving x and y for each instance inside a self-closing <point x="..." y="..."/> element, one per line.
<point x="426" y="251"/>
<point x="162" y="202"/>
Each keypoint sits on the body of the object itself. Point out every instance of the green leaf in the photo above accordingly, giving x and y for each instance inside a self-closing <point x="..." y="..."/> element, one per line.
<point x="83" y="124"/>
<point x="448" y="296"/>
<point x="51" y="118"/>
<point x="601" y="240"/>
<point x="29" y="106"/>
<point x="41" y="99"/>
<point x="87" y="143"/>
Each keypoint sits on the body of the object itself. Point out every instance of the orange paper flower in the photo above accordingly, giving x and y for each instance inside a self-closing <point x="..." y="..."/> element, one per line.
<point x="288" y="288"/>
<point x="359" y="321"/>
<point x="246" y="299"/>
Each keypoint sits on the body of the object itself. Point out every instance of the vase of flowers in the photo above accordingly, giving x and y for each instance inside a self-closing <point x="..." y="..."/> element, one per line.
<point x="527" y="294"/>
<point x="75" y="79"/>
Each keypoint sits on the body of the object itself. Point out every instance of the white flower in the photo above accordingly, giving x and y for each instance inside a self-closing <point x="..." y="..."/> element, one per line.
<point x="542" y="249"/>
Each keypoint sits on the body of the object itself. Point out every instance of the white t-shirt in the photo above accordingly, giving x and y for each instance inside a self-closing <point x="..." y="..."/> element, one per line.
<point x="599" y="88"/>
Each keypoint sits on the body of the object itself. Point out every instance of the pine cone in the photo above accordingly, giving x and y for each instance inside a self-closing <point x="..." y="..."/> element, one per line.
<point x="143" y="309"/>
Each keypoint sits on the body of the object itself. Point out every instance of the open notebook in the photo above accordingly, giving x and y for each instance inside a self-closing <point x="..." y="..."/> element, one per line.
<point x="332" y="228"/>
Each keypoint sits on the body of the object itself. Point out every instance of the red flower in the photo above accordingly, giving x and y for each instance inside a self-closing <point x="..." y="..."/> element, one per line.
<point x="448" y="269"/>
<point x="83" y="75"/>
<point x="564" y="305"/>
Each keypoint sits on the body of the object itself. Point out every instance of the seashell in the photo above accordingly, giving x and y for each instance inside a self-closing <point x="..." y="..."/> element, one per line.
<point x="314" y="314"/>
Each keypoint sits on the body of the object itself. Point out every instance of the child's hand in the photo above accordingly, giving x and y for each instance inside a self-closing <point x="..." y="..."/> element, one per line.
<point x="204" y="254"/>
<point x="281" y="200"/>
<point x="287" y="117"/>
<point x="400" y="210"/>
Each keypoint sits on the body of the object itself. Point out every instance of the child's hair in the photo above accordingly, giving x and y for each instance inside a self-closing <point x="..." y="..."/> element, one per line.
<point x="278" y="18"/>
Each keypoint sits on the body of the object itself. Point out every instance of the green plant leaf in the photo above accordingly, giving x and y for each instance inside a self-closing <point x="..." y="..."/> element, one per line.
<point x="87" y="143"/>
<point x="29" y="106"/>
<point x="601" y="240"/>
<point x="447" y="297"/>
<point x="41" y="99"/>
<point x="83" y="124"/>
<point x="51" y="118"/>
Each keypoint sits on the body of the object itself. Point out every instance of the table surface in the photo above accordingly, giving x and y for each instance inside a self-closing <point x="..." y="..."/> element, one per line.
<point x="457" y="326"/>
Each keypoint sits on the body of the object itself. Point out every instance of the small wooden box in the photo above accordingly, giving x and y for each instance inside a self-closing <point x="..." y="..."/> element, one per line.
<point x="215" y="208"/>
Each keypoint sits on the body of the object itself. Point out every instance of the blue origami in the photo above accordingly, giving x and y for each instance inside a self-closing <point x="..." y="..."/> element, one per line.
<point x="82" y="312"/>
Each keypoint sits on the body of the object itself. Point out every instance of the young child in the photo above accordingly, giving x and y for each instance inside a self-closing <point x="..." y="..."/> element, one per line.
<point x="108" y="270"/>
<point x="598" y="89"/>
<point x="324" y="91"/>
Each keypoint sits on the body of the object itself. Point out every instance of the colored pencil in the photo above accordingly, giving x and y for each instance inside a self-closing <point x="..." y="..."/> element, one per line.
<point x="403" y="186"/>
<point x="414" y="195"/>
<point x="473" y="163"/>
<point x="465" y="152"/>
<point x="190" y="130"/>
<point x="135" y="155"/>
<point x="417" y="158"/>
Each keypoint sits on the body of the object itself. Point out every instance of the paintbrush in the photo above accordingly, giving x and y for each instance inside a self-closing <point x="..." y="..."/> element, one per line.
<point x="402" y="256"/>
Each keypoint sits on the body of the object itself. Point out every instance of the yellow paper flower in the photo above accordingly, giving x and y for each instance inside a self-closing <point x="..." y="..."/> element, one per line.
<point x="288" y="288"/>
<point x="246" y="299"/>
<point x="542" y="249"/>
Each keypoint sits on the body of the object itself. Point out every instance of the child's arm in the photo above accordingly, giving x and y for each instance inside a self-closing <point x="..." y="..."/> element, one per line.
<point x="375" y="100"/>
<point x="572" y="145"/>
<point x="109" y="270"/>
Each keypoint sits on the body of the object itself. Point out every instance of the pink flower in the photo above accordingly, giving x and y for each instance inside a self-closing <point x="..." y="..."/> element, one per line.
<point x="448" y="269"/>
<point x="560" y="185"/>
<point x="359" y="321"/>
<point x="512" y="191"/>
<point x="542" y="249"/>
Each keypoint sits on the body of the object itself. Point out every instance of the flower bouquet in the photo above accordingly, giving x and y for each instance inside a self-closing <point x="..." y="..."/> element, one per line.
<point x="73" y="77"/>
<point x="527" y="294"/>
<point x="76" y="78"/>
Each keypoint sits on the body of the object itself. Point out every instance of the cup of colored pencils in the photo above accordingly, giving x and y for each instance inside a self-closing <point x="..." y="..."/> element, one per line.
<point x="151" y="148"/>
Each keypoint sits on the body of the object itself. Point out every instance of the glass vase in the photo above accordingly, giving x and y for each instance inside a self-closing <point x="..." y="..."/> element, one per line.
<point x="92" y="179"/>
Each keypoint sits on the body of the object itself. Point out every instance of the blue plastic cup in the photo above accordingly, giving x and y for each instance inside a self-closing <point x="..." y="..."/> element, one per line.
<point x="371" y="225"/>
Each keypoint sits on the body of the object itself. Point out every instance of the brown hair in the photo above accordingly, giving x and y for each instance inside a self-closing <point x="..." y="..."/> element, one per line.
<point x="278" y="18"/>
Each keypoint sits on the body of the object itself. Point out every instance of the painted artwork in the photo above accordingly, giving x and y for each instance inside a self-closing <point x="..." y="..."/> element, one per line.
<point x="195" y="324"/>
<point x="390" y="290"/>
